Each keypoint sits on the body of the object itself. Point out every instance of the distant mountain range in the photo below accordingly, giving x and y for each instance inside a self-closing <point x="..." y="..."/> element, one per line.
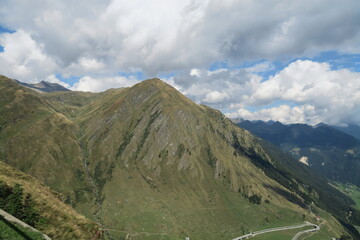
<point x="44" y="86"/>
<point x="328" y="150"/>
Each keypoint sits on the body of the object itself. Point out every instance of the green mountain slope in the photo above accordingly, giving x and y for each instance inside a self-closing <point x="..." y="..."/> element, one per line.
<point x="147" y="163"/>
<point x="57" y="220"/>
<point x="37" y="139"/>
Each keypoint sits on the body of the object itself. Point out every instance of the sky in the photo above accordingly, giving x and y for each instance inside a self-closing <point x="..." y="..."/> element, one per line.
<point x="288" y="61"/>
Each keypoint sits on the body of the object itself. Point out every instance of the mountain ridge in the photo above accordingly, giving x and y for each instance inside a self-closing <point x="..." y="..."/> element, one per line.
<point x="43" y="86"/>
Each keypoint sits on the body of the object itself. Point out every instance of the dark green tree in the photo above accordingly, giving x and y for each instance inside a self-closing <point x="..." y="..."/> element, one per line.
<point x="13" y="203"/>
<point x="255" y="199"/>
<point x="5" y="191"/>
<point x="12" y="200"/>
<point x="30" y="215"/>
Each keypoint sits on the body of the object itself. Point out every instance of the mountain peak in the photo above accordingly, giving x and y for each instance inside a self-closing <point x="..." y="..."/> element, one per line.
<point x="155" y="82"/>
<point x="156" y="87"/>
<point x="43" y="86"/>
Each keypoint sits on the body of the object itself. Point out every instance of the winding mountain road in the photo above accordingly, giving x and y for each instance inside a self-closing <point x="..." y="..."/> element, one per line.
<point x="316" y="228"/>
<point x="305" y="224"/>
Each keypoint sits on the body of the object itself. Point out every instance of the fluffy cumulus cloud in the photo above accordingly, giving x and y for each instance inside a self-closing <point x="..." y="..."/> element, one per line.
<point x="23" y="58"/>
<point x="282" y="113"/>
<point x="215" y="96"/>
<point x="319" y="93"/>
<point x="218" y="88"/>
<point x="304" y="91"/>
<point x="92" y="84"/>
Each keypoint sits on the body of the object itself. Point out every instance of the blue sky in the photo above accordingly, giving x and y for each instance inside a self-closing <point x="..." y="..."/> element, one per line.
<point x="279" y="60"/>
<point x="4" y="30"/>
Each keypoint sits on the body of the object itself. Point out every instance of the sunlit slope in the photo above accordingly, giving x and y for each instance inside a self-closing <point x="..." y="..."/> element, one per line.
<point x="59" y="221"/>
<point x="37" y="139"/>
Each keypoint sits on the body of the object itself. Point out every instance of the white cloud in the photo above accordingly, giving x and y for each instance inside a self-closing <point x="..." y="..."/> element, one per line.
<point x="215" y="97"/>
<point x="195" y="72"/>
<point x="90" y="84"/>
<point x="219" y="88"/>
<point x="282" y="113"/>
<point x="23" y="58"/>
<point x="84" y="66"/>
<point x="320" y="93"/>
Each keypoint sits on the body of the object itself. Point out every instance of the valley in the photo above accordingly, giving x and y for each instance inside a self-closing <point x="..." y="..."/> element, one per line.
<point x="350" y="190"/>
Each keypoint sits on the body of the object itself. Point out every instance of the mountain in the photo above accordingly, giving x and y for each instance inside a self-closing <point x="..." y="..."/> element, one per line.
<point x="56" y="219"/>
<point x="44" y="86"/>
<point x="325" y="149"/>
<point x="353" y="130"/>
<point x="147" y="163"/>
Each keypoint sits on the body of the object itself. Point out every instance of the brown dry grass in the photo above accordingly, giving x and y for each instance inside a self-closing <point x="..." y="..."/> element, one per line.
<point x="62" y="222"/>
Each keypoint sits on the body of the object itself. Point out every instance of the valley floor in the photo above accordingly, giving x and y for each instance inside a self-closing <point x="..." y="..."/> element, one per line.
<point x="350" y="190"/>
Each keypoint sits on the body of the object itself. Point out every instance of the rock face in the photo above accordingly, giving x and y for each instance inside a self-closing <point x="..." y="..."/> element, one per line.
<point x="148" y="163"/>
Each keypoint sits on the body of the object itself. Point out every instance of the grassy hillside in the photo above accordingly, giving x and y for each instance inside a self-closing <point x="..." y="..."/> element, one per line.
<point x="148" y="163"/>
<point x="39" y="140"/>
<point x="13" y="231"/>
<point x="58" y="220"/>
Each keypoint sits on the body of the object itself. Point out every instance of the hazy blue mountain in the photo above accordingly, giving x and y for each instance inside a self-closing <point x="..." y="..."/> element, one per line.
<point x="324" y="148"/>
<point x="353" y="130"/>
